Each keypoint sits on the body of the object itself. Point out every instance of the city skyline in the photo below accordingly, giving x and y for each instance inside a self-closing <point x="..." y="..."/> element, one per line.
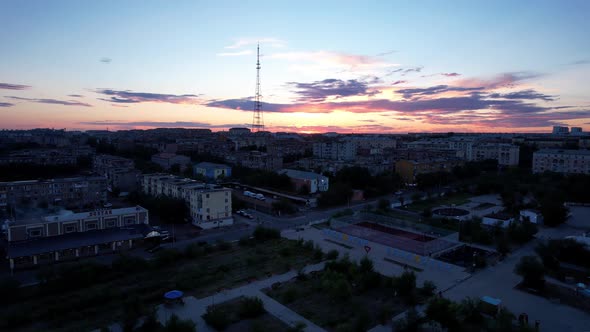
<point x="365" y="68"/>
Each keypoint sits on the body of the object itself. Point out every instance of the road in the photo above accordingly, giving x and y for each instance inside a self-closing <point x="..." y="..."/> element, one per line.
<point x="499" y="281"/>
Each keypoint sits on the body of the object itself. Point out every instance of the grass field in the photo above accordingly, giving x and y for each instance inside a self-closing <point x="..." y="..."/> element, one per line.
<point x="456" y="199"/>
<point x="100" y="303"/>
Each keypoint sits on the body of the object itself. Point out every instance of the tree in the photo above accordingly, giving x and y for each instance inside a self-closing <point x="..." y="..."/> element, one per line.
<point x="532" y="272"/>
<point x="410" y="323"/>
<point x="366" y="265"/>
<point x="132" y="309"/>
<point x="175" y="324"/>
<point x="470" y="310"/>
<point x="553" y="211"/>
<point x="444" y="312"/>
<point x="383" y="204"/>
<point x="251" y="307"/>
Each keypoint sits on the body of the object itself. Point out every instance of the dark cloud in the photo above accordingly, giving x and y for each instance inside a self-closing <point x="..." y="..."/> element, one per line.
<point x="106" y="60"/>
<point x="399" y="82"/>
<point x="433" y="90"/>
<point x="6" y="104"/>
<point x="8" y="86"/>
<point x="126" y="97"/>
<point x="474" y="101"/>
<point x="524" y="94"/>
<point x="450" y="74"/>
<point x="504" y="80"/>
<point x="76" y="96"/>
<point x="405" y="71"/>
<point x="51" y="101"/>
<point x="161" y="124"/>
<point x="246" y="104"/>
<point x="580" y="62"/>
<point x="320" y="90"/>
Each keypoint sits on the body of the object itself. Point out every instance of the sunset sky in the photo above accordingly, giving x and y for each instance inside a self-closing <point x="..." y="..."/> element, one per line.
<point x="345" y="66"/>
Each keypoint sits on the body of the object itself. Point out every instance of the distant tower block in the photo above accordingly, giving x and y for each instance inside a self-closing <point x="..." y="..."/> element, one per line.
<point x="258" y="120"/>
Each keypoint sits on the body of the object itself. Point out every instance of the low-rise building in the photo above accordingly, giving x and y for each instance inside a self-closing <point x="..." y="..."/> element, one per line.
<point x="312" y="182"/>
<point x="533" y="216"/>
<point x="166" y="160"/>
<point x="562" y="161"/>
<point x="68" y="236"/>
<point x="497" y="219"/>
<point x="212" y="170"/>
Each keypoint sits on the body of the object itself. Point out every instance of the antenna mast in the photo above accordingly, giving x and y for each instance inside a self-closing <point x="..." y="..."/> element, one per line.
<point x="258" y="120"/>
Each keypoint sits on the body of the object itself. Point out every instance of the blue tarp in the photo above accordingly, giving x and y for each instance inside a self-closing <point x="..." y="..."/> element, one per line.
<point x="491" y="300"/>
<point x="173" y="295"/>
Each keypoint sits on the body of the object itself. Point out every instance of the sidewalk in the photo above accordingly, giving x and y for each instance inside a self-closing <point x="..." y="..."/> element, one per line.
<point x="194" y="308"/>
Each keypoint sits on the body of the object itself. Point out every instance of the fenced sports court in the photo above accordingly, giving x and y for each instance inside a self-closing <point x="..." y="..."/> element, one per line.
<point x="417" y="238"/>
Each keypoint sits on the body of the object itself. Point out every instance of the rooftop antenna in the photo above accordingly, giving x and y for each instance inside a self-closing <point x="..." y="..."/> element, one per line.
<point x="258" y="120"/>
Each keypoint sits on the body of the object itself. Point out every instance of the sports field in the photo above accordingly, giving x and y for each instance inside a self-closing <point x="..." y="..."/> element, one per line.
<point x="394" y="237"/>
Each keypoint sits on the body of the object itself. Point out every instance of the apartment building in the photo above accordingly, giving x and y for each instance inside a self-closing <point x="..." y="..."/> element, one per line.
<point x="68" y="236"/>
<point x="258" y="160"/>
<point x="210" y="205"/>
<point x="103" y="162"/>
<point x="68" y="192"/>
<point x="40" y="157"/>
<point x="120" y="172"/>
<point x="410" y="169"/>
<point x="335" y="150"/>
<point x="562" y="161"/>
<point x="505" y="154"/>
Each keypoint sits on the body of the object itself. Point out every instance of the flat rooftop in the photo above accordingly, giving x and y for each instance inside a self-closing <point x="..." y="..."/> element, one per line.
<point x="75" y="240"/>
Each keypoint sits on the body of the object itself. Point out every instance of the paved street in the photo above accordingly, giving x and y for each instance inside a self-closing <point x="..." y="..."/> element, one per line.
<point x="499" y="282"/>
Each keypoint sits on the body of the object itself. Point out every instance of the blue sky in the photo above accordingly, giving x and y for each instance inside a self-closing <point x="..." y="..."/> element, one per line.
<point x="326" y="65"/>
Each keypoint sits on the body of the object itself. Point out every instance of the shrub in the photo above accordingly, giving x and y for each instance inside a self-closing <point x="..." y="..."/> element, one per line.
<point x="126" y="263"/>
<point x="175" y="324"/>
<point x="216" y="317"/>
<point x="285" y="251"/>
<point x="9" y="288"/>
<point x="332" y="254"/>
<point x="263" y="234"/>
<point x="317" y="253"/>
<point x="223" y="245"/>
<point x="532" y="272"/>
<point x="428" y="288"/>
<point x="167" y="257"/>
<point x="290" y="295"/>
<point x="245" y="241"/>
<point x="194" y="250"/>
<point x="444" y="312"/>
<point x="251" y="307"/>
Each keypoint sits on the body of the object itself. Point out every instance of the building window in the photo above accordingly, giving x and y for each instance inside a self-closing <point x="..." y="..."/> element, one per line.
<point x="111" y="222"/>
<point x="129" y="220"/>
<point x="70" y="228"/>
<point x="34" y="232"/>
<point x="91" y="226"/>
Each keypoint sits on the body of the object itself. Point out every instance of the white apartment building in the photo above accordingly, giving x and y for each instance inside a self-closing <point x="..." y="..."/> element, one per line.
<point x="210" y="205"/>
<point x="562" y="161"/>
<point x="505" y="154"/>
<point x="335" y="150"/>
